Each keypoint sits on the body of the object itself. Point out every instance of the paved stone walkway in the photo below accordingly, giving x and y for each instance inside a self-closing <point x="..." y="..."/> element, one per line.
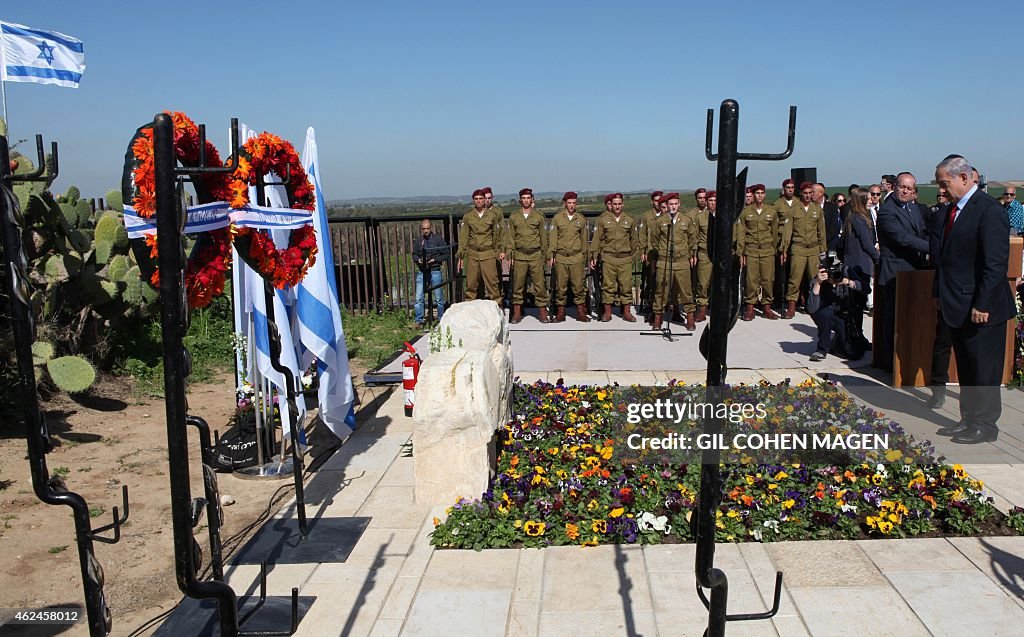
<point x="394" y="583"/>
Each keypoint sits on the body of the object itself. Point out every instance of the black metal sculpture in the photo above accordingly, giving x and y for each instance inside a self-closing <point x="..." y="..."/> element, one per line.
<point x="175" y="318"/>
<point x="724" y="309"/>
<point x="51" y="490"/>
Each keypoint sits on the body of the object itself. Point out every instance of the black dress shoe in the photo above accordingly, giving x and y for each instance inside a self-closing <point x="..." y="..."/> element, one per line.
<point x="955" y="430"/>
<point x="974" y="436"/>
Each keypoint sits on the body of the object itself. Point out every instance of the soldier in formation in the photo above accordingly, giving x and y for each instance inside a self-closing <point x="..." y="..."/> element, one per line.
<point x="527" y="246"/>
<point x="567" y="255"/>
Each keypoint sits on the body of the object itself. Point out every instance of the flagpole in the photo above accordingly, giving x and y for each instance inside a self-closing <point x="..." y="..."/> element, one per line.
<point x="3" y="93"/>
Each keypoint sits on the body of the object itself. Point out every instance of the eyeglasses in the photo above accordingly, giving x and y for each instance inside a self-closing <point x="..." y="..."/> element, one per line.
<point x="1011" y="194"/>
<point x="908" y="188"/>
<point x="875" y="194"/>
<point x="840" y="200"/>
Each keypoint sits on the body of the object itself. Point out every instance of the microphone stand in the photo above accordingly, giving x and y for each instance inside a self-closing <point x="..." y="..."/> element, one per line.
<point x="666" y="331"/>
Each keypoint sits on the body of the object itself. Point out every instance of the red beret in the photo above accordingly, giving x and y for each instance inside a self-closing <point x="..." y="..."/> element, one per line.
<point x="712" y="194"/>
<point x="806" y="184"/>
<point x="526" y="191"/>
<point x="486" y="190"/>
<point x="478" y="193"/>
<point x="699" y="191"/>
<point x="569" y="195"/>
<point x="749" y="190"/>
<point x="656" y="194"/>
<point x="608" y="198"/>
<point x="757" y="187"/>
<point x="671" y="195"/>
<point x="788" y="182"/>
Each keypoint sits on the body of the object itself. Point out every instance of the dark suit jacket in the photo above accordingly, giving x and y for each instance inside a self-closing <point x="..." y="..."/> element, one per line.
<point x="833" y="224"/>
<point x="936" y="224"/>
<point x="859" y="246"/>
<point x="972" y="265"/>
<point x="902" y="240"/>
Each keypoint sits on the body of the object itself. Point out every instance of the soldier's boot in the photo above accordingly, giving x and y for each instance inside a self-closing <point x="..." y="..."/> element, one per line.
<point x="581" y="314"/>
<point x="607" y="315"/>
<point x="627" y="315"/>
<point x="517" y="314"/>
<point x="748" y="313"/>
<point x="769" y="313"/>
<point x="560" y="316"/>
<point x="702" y="314"/>
<point x="542" y="314"/>
<point x="690" y="323"/>
<point x="790" y="310"/>
<point x="656" y="321"/>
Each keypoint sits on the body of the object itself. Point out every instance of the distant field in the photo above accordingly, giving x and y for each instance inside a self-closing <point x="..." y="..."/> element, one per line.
<point x="635" y="204"/>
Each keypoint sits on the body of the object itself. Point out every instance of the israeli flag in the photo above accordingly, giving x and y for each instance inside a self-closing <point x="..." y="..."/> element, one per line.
<point x="321" y="336"/>
<point x="254" y="308"/>
<point x="44" y="57"/>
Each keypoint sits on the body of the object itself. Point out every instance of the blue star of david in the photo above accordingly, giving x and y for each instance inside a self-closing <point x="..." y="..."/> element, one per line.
<point x="45" y="52"/>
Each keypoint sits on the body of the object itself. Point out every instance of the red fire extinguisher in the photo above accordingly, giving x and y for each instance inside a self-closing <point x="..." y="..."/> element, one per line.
<point x="410" y="371"/>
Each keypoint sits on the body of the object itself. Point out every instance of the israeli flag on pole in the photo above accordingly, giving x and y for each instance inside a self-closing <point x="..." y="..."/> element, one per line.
<point x="44" y="57"/>
<point x="256" y="307"/>
<point x="319" y="316"/>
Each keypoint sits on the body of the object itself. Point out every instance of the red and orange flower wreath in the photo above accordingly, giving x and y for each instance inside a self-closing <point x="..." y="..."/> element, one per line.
<point x="260" y="155"/>
<point x="206" y="270"/>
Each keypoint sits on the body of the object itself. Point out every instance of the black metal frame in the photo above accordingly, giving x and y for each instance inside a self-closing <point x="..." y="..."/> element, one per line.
<point x="724" y="309"/>
<point x="51" y="490"/>
<point x="274" y="336"/>
<point x="174" y="319"/>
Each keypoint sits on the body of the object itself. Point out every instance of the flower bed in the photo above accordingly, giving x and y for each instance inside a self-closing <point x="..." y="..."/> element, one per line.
<point x="558" y="484"/>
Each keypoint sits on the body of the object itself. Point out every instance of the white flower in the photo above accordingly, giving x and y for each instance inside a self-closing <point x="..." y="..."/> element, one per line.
<point x="649" y="522"/>
<point x="585" y="403"/>
<point x="880" y="469"/>
<point x="846" y="508"/>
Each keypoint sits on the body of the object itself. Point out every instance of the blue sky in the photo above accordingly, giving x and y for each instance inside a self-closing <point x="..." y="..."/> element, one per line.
<point x="436" y="98"/>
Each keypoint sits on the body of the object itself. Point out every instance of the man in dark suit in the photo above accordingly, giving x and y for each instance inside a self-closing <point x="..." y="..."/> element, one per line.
<point x="943" y="344"/>
<point x="902" y="245"/>
<point x="833" y="224"/>
<point x="973" y="297"/>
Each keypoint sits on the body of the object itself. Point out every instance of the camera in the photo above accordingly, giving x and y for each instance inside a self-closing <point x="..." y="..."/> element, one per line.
<point x="832" y="264"/>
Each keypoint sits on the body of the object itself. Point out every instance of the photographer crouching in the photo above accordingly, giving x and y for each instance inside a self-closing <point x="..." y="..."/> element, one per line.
<point x="836" y="302"/>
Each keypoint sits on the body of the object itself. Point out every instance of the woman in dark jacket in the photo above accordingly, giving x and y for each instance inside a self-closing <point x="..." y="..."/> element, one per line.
<point x="858" y="242"/>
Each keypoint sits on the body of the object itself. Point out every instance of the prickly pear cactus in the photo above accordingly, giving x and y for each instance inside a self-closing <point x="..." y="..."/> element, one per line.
<point x="84" y="276"/>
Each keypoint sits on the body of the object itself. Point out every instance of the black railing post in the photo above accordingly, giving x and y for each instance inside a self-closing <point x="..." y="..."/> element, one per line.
<point x="724" y="308"/>
<point x="49" y="490"/>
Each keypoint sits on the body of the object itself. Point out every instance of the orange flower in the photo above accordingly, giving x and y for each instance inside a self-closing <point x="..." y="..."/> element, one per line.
<point x="572" y="531"/>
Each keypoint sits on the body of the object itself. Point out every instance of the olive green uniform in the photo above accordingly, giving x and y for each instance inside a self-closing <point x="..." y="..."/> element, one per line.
<point x="567" y="245"/>
<point x="679" y="240"/>
<point x="700" y="217"/>
<point x="615" y="242"/>
<point x="757" y="239"/>
<point x="481" y="240"/>
<point x="528" y="247"/>
<point x="803" y="240"/>
<point x="782" y="210"/>
<point x="646" y="242"/>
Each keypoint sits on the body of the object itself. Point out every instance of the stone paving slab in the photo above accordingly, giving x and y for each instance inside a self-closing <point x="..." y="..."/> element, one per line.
<point x="958" y="604"/>
<point x="394" y="583"/>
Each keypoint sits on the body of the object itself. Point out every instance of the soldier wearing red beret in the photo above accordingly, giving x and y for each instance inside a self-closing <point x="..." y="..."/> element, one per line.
<point x="567" y="247"/>
<point x="803" y="242"/>
<point x="701" y="274"/>
<point x="648" y="253"/>
<point x="677" y="244"/>
<point x="757" y="240"/>
<point x="615" y="243"/>
<point x="481" y="241"/>
<point x="528" y="250"/>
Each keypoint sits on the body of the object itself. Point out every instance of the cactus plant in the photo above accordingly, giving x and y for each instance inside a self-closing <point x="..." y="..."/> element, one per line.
<point x="72" y="374"/>
<point x="85" y="277"/>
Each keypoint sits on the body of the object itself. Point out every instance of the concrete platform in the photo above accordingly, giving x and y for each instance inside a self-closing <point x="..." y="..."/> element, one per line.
<point x="394" y="584"/>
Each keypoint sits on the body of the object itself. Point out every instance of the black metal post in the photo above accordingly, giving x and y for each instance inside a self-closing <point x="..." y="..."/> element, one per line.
<point x="724" y="307"/>
<point x="174" y="319"/>
<point x="47" y="489"/>
<point x="274" y="336"/>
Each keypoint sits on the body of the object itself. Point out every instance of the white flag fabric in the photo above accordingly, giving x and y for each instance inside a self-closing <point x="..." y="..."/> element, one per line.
<point x="44" y="57"/>
<point x="319" y="316"/>
<point x="255" y="309"/>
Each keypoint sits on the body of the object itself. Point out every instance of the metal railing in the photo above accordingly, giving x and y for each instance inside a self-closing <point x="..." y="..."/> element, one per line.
<point x="376" y="270"/>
